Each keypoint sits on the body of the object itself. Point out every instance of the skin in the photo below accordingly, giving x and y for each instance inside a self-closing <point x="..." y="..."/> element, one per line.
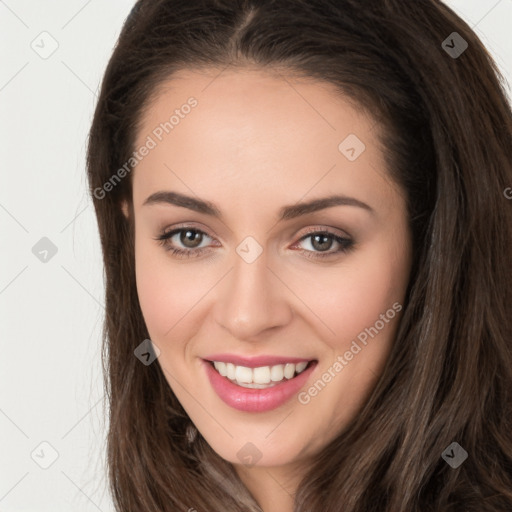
<point x="254" y="143"/>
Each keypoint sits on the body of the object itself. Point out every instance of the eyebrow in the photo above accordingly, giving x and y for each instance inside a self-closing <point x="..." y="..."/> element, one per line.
<point x="285" y="213"/>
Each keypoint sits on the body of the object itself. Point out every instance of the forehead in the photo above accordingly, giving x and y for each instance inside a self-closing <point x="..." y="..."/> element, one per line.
<point x="250" y="130"/>
<point x="260" y="103"/>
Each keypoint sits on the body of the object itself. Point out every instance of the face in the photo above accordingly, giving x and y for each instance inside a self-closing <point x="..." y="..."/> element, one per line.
<point x="254" y="273"/>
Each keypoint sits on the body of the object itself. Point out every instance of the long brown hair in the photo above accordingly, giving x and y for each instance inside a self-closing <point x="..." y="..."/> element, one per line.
<point x="447" y="136"/>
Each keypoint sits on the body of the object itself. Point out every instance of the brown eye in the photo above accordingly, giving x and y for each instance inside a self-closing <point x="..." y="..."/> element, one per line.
<point x="321" y="241"/>
<point x="191" y="238"/>
<point x="183" y="242"/>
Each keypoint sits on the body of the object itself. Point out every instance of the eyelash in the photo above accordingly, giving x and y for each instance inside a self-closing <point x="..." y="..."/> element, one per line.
<point x="164" y="240"/>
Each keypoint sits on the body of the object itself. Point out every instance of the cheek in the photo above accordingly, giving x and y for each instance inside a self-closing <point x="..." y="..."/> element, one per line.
<point x="352" y="297"/>
<point x="165" y="292"/>
<point x="342" y="300"/>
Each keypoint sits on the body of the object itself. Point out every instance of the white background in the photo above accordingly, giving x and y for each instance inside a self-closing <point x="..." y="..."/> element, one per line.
<point x="51" y="313"/>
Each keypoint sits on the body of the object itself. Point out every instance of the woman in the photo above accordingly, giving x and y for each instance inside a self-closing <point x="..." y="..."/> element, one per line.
<point x="307" y="237"/>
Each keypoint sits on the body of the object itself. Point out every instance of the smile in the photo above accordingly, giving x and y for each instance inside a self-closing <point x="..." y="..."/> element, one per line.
<point x="257" y="389"/>
<point x="261" y="377"/>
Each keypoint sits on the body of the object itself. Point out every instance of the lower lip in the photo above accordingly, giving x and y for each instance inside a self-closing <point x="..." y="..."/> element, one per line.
<point x="256" y="400"/>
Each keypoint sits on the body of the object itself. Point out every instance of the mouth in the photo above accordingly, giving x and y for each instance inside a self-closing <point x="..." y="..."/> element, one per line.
<point x="261" y="377"/>
<point x="258" y="389"/>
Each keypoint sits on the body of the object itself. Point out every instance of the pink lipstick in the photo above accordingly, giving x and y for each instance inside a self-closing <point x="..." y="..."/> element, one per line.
<point x="256" y="400"/>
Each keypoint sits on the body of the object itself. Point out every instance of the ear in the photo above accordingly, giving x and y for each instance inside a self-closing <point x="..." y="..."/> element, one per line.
<point x="125" y="209"/>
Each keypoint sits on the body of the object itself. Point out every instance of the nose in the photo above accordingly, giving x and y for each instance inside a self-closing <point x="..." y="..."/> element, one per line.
<point x="252" y="299"/>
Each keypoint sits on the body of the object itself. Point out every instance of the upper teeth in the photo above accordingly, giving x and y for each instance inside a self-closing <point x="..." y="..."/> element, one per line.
<point x="260" y="375"/>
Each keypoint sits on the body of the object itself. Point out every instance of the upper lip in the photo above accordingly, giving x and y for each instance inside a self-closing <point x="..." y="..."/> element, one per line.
<point x="257" y="361"/>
